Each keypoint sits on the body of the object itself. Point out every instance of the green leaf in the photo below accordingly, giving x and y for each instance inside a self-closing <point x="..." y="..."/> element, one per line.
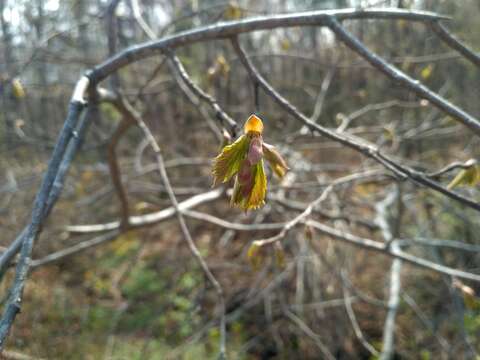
<point x="279" y="255"/>
<point x="255" y="255"/>
<point x="470" y="177"/>
<point x="426" y="71"/>
<point x="259" y="190"/>
<point x="275" y="160"/>
<point x="227" y="163"/>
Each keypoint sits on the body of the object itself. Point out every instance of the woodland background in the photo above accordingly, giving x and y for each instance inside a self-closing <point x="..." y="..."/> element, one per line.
<point x="143" y="295"/>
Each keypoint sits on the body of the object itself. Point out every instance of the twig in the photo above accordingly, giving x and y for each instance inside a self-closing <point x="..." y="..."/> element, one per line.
<point x="151" y="218"/>
<point x="453" y="166"/>
<point x="402" y="78"/>
<point x="394" y="253"/>
<point x="14" y="355"/>
<point x="73" y="146"/>
<point x="353" y="320"/>
<point x="308" y="210"/>
<point x="454" y="43"/>
<point x="360" y="146"/>
<point x="219" y="112"/>
<point x="115" y="174"/>
<point x="452" y="244"/>
<point x="388" y="344"/>
<point x="137" y="13"/>
<point x="309" y="332"/>
<point x="127" y="110"/>
<point x="75" y="249"/>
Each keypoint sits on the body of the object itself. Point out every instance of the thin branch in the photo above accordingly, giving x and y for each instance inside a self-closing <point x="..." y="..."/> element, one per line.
<point x="57" y="187"/>
<point x="151" y="218"/>
<point x="452" y="244"/>
<point x="224" y="118"/>
<point x="360" y="146"/>
<point x="137" y="13"/>
<point x="128" y="111"/>
<point x="309" y="332"/>
<point x="115" y="174"/>
<point x="453" y="166"/>
<point x="423" y="318"/>
<point x="75" y="249"/>
<point x="347" y="298"/>
<point x="454" y="43"/>
<point x="399" y="77"/>
<point x="308" y="210"/>
<point x="388" y="341"/>
<point x="379" y="247"/>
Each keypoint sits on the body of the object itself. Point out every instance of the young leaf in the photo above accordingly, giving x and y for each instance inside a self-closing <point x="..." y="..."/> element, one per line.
<point x="244" y="160"/>
<point x="17" y="89"/>
<point x="227" y="163"/>
<point x="470" y="176"/>
<point x="255" y="256"/>
<point x="257" y="196"/>
<point x="277" y="163"/>
<point x="279" y="256"/>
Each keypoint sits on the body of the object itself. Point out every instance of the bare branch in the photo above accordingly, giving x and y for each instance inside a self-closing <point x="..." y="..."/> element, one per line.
<point x="402" y="78"/>
<point x="115" y="174"/>
<point x="152" y="218"/>
<point x="227" y="29"/>
<point x="39" y="212"/>
<point x="454" y="43"/>
<point x="219" y="112"/>
<point x="360" y="146"/>
<point x="388" y="341"/>
<point x="353" y="320"/>
<point x="380" y="248"/>
<point x="128" y="111"/>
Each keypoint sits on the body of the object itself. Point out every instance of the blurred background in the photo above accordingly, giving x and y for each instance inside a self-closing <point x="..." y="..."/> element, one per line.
<point x="142" y="295"/>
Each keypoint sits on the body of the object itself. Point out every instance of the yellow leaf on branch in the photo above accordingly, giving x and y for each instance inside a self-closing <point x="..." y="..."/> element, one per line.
<point x="244" y="160"/>
<point x="466" y="177"/>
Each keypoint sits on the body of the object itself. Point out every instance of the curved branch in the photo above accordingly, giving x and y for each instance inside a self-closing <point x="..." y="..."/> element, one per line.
<point x="454" y="43"/>
<point x="398" y="76"/>
<point x="228" y="29"/>
<point x="362" y="147"/>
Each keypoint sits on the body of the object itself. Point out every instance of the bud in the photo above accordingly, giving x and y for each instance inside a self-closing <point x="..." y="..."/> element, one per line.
<point x="244" y="160"/>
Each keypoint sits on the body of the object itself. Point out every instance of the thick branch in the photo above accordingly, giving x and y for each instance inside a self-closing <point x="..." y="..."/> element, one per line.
<point x="14" y="301"/>
<point x="228" y="29"/>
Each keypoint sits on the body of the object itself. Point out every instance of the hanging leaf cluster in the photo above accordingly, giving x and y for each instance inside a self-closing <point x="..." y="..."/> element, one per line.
<point x="244" y="161"/>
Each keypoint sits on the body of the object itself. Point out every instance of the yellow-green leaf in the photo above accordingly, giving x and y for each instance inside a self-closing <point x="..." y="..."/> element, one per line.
<point x="285" y="44"/>
<point x="17" y="89"/>
<point x="275" y="160"/>
<point x="426" y="71"/>
<point x="233" y="12"/>
<point x="255" y="255"/>
<point x="279" y="255"/>
<point x="470" y="177"/>
<point x="257" y="196"/>
<point x="227" y="163"/>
